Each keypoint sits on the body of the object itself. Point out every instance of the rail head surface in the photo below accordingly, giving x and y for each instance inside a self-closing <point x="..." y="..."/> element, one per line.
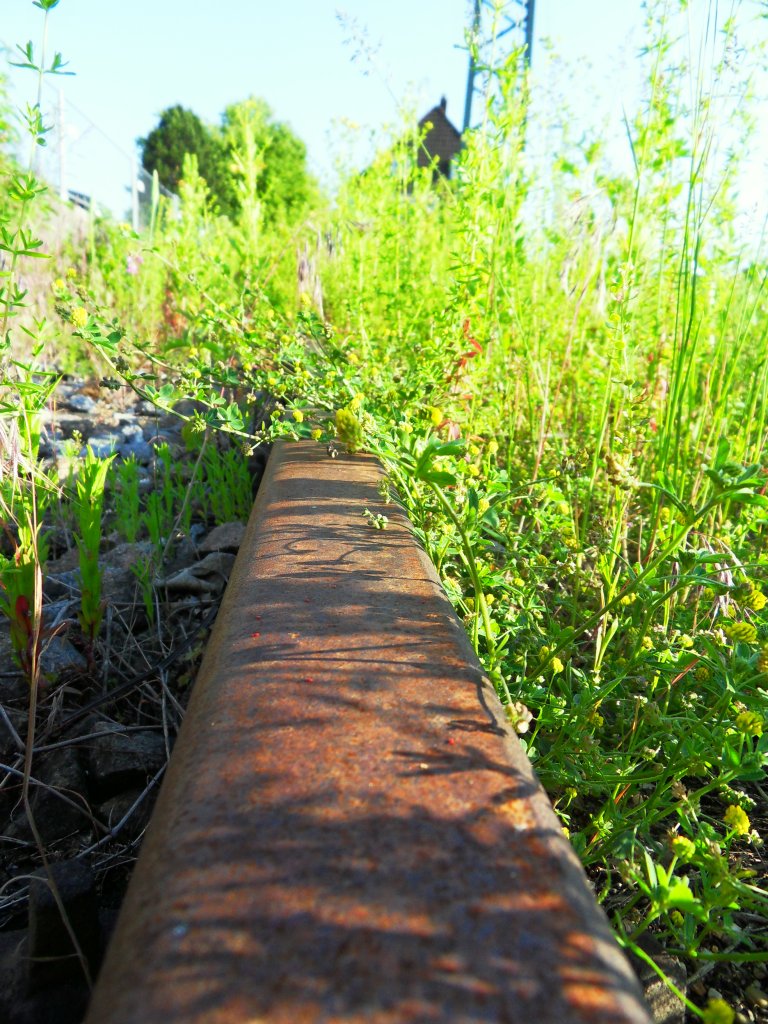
<point x="349" y="831"/>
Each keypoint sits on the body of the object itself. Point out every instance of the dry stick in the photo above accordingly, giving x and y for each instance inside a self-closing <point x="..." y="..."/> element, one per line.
<point x="9" y="725"/>
<point x="132" y="684"/>
<point x="34" y="683"/>
<point x="85" y="811"/>
<point x="107" y="644"/>
<point x="116" y="829"/>
<point x="91" y="736"/>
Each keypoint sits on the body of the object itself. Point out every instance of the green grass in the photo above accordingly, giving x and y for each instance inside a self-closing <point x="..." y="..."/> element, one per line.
<point x="601" y="523"/>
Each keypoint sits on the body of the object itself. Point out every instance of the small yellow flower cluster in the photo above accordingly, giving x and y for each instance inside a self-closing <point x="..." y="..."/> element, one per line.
<point x="754" y="598"/>
<point x="79" y="317"/>
<point x="435" y="415"/>
<point x="717" y="1011"/>
<point x="741" y="631"/>
<point x="683" y="848"/>
<point x="348" y="427"/>
<point x="555" y="665"/>
<point x="737" y="820"/>
<point x="750" y="723"/>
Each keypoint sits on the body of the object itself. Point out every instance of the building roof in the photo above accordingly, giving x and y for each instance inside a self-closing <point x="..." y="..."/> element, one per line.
<point x="442" y="140"/>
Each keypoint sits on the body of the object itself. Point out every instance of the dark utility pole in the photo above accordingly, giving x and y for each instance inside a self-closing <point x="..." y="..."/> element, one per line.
<point x="527" y="24"/>
<point x="472" y="67"/>
<point x="530" y="8"/>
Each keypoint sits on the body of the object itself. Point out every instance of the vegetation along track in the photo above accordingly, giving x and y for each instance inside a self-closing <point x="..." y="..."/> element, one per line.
<point x="562" y="366"/>
<point x="349" y="829"/>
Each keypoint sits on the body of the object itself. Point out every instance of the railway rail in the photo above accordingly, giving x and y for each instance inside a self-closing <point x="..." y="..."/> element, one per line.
<point x="349" y="829"/>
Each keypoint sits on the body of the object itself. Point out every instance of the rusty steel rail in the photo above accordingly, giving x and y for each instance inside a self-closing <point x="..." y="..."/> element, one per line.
<point x="349" y="830"/>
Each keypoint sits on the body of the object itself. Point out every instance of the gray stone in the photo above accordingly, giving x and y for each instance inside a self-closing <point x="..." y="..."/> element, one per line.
<point x="52" y="957"/>
<point x="61" y="425"/>
<point x="226" y="537"/>
<point x="54" y="818"/>
<point x="112" y="811"/>
<point x="58" y="655"/>
<point x="132" y="431"/>
<point x="80" y="403"/>
<point x="57" y="612"/>
<point x="61" y="585"/>
<point x="140" y="449"/>
<point x="121" y="760"/>
<point x="134" y="444"/>
<point x="118" y="582"/>
<point x="208" y="576"/>
<point x="17" y="722"/>
<point x="664" y="1005"/>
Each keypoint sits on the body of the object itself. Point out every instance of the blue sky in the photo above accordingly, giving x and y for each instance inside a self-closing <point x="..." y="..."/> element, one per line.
<point x="315" y="62"/>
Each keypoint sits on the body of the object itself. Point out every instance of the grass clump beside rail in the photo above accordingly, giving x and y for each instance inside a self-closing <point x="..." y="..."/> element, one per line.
<point x="567" y="386"/>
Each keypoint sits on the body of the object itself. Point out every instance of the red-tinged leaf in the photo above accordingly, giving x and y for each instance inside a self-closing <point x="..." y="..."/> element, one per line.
<point x="23" y="614"/>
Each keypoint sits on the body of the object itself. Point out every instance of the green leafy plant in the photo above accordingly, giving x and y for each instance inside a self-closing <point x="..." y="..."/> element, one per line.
<point x="90" y="483"/>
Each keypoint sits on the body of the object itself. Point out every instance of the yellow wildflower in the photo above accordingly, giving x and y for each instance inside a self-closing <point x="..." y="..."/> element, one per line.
<point x="750" y="723"/>
<point x="717" y="1011"/>
<point x="755" y="599"/>
<point x="435" y="415"/>
<point x="348" y="428"/>
<point x="737" y="820"/>
<point x="683" y="848"/>
<point x="743" y="631"/>
<point x="317" y="434"/>
<point x="79" y="317"/>
<point x="298" y="415"/>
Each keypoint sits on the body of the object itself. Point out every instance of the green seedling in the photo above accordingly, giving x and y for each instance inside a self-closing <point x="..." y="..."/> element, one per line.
<point x="127" y="500"/>
<point x="90" y="483"/>
<point x="144" y="571"/>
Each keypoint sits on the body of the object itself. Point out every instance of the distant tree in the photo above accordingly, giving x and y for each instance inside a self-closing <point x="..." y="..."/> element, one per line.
<point x="249" y="154"/>
<point x="284" y="184"/>
<point x="180" y="131"/>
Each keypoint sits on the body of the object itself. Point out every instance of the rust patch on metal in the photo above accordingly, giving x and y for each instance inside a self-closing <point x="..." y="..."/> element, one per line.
<point x="348" y="830"/>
